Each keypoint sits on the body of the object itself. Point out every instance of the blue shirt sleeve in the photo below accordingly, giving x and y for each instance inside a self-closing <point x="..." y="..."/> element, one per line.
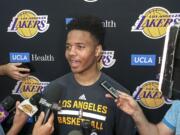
<point x="171" y="117"/>
<point x="1" y="130"/>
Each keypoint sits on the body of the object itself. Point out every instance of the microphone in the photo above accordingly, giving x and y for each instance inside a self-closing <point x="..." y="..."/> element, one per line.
<point x="6" y="107"/>
<point x="29" y="106"/>
<point x="87" y="129"/>
<point x="49" y="108"/>
<point x="52" y="94"/>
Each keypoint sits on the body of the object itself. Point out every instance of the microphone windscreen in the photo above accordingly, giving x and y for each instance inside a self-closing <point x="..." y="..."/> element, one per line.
<point x="53" y="92"/>
<point x="34" y="100"/>
<point x="75" y="132"/>
<point x="8" y="103"/>
<point x="6" y="107"/>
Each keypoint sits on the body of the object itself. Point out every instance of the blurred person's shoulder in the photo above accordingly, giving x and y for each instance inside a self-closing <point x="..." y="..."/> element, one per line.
<point x="62" y="80"/>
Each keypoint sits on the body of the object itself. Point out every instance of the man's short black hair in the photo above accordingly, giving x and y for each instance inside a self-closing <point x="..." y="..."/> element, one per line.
<point x="90" y="24"/>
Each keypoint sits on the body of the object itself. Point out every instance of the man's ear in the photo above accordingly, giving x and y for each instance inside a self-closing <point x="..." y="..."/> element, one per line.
<point x="99" y="50"/>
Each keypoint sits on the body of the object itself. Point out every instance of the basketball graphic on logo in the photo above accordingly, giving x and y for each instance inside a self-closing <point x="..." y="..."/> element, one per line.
<point x="27" y="24"/>
<point x="149" y="95"/>
<point x="154" y="26"/>
<point x="29" y="86"/>
<point x="153" y="22"/>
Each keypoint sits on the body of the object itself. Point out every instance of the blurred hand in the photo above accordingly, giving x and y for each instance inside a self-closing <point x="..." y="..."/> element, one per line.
<point x="127" y="104"/>
<point x="47" y="128"/>
<point x="19" y="121"/>
<point x="12" y="70"/>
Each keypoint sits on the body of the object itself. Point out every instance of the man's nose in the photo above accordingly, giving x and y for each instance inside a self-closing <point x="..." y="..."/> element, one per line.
<point x="72" y="50"/>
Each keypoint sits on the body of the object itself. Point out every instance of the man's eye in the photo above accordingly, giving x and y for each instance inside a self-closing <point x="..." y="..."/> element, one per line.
<point x="81" y="46"/>
<point x="67" y="46"/>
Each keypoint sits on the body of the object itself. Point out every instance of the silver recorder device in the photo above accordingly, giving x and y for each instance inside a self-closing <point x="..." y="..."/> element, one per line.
<point x="110" y="89"/>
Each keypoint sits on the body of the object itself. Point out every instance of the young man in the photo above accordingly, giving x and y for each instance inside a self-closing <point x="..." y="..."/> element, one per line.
<point x="170" y="125"/>
<point x="83" y="102"/>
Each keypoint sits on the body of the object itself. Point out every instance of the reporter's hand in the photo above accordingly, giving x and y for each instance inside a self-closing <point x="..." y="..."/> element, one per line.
<point x="12" y="70"/>
<point x="19" y="121"/>
<point x="127" y="104"/>
<point x="47" y="128"/>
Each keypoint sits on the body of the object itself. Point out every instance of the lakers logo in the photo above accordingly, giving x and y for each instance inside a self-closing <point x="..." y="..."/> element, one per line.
<point x="107" y="59"/>
<point x="27" y="24"/>
<point x="27" y="108"/>
<point x="148" y="95"/>
<point x="29" y="86"/>
<point x="154" y="22"/>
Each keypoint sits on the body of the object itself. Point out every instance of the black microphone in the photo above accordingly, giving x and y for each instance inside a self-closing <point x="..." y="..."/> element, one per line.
<point x="87" y="129"/>
<point x="30" y="106"/>
<point x="49" y="108"/>
<point x="51" y="95"/>
<point x="6" y="107"/>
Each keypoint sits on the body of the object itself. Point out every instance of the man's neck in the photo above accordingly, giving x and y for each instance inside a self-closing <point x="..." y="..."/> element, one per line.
<point x="87" y="79"/>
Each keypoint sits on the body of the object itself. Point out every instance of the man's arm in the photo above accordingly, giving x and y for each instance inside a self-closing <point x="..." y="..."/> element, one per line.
<point x="164" y="130"/>
<point x="19" y="120"/>
<point x="127" y="104"/>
